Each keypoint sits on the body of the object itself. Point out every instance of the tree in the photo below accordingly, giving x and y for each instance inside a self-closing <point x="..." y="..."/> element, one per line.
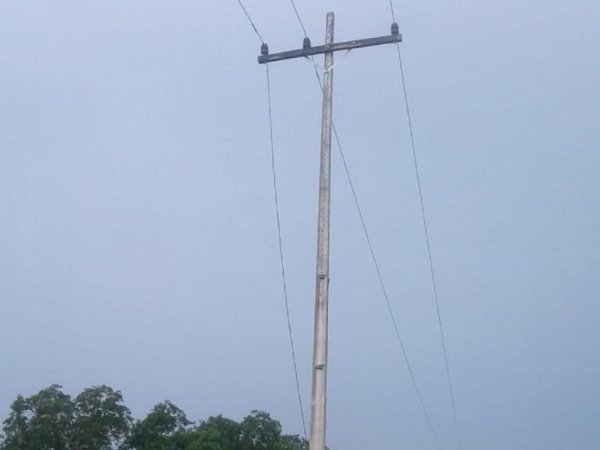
<point x="204" y="438"/>
<point x="259" y="432"/>
<point x="97" y="419"/>
<point x="293" y="442"/>
<point x="42" y="421"/>
<point x="101" y="420"/>
<point x="161" y="429"/>
<point x="216" y="433"/>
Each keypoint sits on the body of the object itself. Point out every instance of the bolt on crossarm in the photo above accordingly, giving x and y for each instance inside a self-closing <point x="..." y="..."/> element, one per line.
<point x="319" y="369"/>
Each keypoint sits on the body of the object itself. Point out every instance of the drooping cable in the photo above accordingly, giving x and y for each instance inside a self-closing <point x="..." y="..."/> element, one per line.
<point x="393" y="12"/>
<point x="279" y="233"/>
<point x="250" y="20"/>
<point x="385" y="294"/>
<point x="427" y="240"/>
<point x="281" y="258"/>
<point x="299" y="18"/>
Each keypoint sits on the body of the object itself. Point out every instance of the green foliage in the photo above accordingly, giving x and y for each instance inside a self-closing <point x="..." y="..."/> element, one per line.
<point x="42" y="421"/>
<point x="293" y="442"/>
<point x="259" y="432"/>
<point x="218" y="432"/>
<point x="97" y="420"/>
<point x="101" y="421"/>
<point x="161" y="429"/>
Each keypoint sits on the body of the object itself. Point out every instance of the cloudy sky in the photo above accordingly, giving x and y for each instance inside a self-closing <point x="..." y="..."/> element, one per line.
<point x="138" y="242"/>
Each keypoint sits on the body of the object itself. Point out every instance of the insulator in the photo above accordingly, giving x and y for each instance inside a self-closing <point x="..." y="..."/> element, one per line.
<point x="264" y="49"/>
<point x="395" y="29"/>
<point x="306" y="43"/>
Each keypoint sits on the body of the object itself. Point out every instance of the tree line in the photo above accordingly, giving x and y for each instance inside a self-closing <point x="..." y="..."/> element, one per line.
<point x="97" y="419"/>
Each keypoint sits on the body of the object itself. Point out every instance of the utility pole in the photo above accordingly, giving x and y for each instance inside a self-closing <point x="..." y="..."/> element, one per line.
<point x="319" y="369"/>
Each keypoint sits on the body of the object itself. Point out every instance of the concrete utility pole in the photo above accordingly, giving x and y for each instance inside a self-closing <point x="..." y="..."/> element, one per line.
<point x="319" y="378"/>
<point x="319" y="370"/>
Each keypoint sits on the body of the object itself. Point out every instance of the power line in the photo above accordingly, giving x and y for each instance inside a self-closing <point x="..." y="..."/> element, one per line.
<point x="281" y="258"/>
<point x="279" y="234"/>
<point x="392" y="9"/>
<point x="385" y="294"/>
<point x="250" y="20"/>
<point x="427" y="240"/>
<point x="429" y="254"/>
<point x="299" y="18"/>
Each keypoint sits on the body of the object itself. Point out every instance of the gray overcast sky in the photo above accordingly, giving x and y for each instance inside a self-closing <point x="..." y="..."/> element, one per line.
<point x="138" y="244"/>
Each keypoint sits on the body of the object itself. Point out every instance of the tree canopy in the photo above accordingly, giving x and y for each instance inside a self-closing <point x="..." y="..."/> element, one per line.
<point x="97" y="419"/>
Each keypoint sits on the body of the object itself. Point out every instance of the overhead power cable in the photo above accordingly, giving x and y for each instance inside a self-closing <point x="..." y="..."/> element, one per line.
<point x="250" y="20"/>
<point x="427" y="239"/>
<point x="393" y="13"/>
<point x="279" y="233"/>
<point x="385" y="294"/>
<point x="299" y="18"/>
<point x="281" y="258"/>
<point x="388" y="303"/>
